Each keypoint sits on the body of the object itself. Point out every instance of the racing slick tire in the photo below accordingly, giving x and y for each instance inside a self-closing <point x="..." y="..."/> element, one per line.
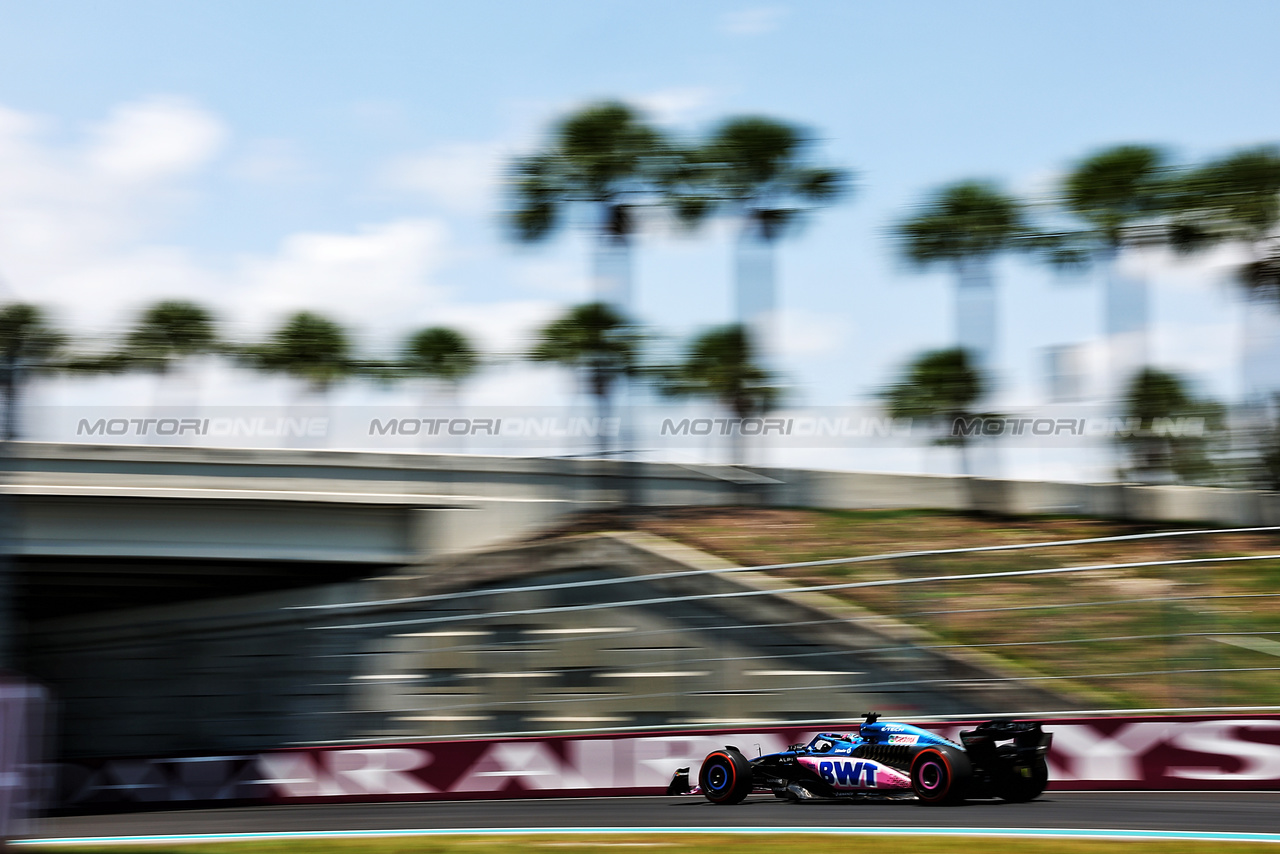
<point x="1025" y="783"/>
<point x="940" y="775"/>
<point x="725" y="776"/>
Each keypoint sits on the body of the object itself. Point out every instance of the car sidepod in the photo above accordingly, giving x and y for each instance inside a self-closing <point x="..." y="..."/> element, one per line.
<point x="850" y="774"/>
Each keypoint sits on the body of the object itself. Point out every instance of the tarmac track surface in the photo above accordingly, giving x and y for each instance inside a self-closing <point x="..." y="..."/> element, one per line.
<point x="1256" y="812"/>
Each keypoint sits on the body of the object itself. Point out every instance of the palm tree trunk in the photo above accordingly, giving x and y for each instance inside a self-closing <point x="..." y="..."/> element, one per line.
<point x="455" y="411"/>
<point x="756" y="308"/>
<point x="176" y="393"/>
<point x="600" y="390"/>
<point x="9" y="429"/>
<point x="755" y="292"/>
<point x="966" y="467"/>
<point x="977" y="333"/>
<point x="975" y="310"/>
<point x="613" y="281"/>
<point x="737" y="446"/>
<point x="612" y="274"/>
<point x="1260" y="346"/>
<point x="1125" y="319"/>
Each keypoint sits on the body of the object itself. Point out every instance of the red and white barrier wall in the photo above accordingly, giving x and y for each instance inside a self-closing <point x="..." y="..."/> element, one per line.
<point x="1157" y="753"/>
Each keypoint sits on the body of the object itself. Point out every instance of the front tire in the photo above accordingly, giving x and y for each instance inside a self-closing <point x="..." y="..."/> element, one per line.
<point x="725" y="777"/>
<point x="940" y="775"/>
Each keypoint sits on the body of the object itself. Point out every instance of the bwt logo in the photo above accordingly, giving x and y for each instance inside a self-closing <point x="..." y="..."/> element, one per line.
<point x="848" y="773"/>
<point x="259" y="427"/>
<point x="968" y="427"/>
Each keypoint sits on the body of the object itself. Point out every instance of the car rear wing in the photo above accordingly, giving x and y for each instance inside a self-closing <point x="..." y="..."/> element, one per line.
<point x="1027" y="736"/>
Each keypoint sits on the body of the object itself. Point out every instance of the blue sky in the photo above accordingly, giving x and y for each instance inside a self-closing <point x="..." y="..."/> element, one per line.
<point x="269" y="156"/>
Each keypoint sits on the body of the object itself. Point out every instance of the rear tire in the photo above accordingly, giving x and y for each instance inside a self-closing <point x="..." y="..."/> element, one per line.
<point x="1026" y="783"/>
<point x="725" y="777"/>
<point x="940" y="775"/>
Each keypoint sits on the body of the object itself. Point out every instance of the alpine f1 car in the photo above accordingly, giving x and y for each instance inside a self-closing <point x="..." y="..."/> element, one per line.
<point x="1000" y="758"/>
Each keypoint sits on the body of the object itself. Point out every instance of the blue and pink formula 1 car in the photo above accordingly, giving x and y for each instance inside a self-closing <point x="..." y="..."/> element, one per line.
<point x="998" y="759"/>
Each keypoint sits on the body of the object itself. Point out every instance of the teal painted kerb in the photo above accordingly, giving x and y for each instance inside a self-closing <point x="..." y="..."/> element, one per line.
<point x="1014" y="833"/>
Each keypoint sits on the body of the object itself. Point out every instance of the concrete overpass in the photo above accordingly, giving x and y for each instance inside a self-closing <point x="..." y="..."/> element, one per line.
<point x="101" y="527"/>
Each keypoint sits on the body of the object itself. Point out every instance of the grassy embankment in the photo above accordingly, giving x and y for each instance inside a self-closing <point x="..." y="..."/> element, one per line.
<point x="1147" y="637"/>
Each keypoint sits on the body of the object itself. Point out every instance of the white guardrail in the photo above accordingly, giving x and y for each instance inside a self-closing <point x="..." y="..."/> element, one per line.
<point x="1202" y="639"/>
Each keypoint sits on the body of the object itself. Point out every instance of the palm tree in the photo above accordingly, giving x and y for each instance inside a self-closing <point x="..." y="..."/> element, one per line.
<point x="604" y="159"/>
<point x="939" y="387"/>
<point x="309" y="347"/>
<point x="722" y="364"/>
<point x="1175" y="428"/>
<point x="964" y="226"/>
<point x="167" y="334"/>
<point x="169" y="331"/>
<point x="598" y="342"/>
<point x="28" y="345"/>
<point x="1124" y="195"/>
<point x="442" y="354"/>
<point x="1236" y="199"/>
<point x="758" y="170"/>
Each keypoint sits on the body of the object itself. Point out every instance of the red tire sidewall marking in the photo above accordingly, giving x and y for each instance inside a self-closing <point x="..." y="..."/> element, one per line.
<point x="733" y="770"/>
<point x="945" y="764"/>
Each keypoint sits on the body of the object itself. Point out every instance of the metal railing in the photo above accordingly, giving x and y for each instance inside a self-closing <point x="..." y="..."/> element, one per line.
<point x="1173" y="647"/>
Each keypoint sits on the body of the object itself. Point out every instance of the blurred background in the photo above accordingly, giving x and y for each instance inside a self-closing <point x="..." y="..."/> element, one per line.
<point x="363" y="372"/>
<point x="858" y="186"/>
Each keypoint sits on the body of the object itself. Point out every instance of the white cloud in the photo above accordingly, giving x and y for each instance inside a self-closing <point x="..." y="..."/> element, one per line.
<point x="78" y="233"/>
<point x="381" y="271"/>
<point x="676" y="105"/>
<point x="72" y="215"/>
<point x="753" y="22"/>
<point x="97" y="291"/>
<point x="154" y="139"/>
<point x="462" y="177"/>
<point x="80" y="225"/>
<point x="505" y="328"/>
